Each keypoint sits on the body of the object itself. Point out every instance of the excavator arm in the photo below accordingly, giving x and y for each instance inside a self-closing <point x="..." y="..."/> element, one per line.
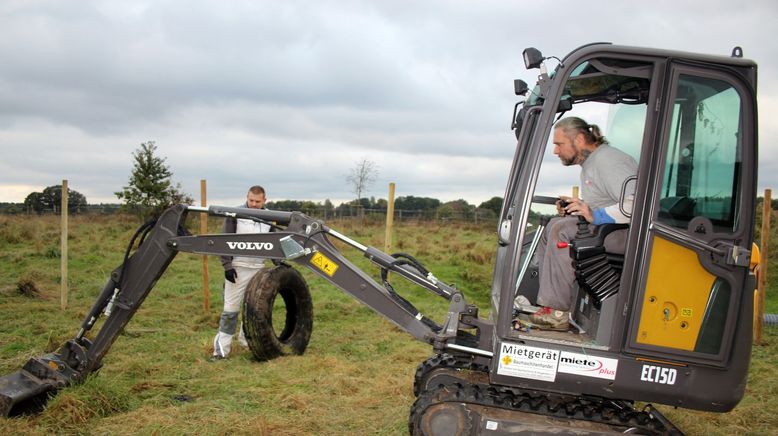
<point x="299" y="239"/>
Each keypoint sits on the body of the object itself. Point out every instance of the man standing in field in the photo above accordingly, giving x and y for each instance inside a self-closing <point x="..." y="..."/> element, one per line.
<point x="238" y="271"/>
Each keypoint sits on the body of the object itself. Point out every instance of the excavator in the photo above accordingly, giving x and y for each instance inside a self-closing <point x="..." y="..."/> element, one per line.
<point x="667" y="320"/>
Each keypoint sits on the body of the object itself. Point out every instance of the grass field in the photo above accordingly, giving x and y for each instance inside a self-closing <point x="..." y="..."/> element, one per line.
<point x="355" y="378"/>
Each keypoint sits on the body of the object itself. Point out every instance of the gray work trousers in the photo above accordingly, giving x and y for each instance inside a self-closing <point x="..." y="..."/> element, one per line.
<point x="557" y="276"/>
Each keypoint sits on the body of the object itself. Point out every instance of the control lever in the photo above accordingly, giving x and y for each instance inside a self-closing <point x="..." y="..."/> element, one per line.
<point x="583" y="225"/>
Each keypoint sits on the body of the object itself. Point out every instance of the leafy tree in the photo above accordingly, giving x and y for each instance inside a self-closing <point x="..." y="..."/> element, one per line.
<point x="494" y="204"/>
<point x="456" y="209"/>
<point x="11" y="208"/>
<point x="284" y="205"/>
<point x="51" y="200"/>
<point x="150" y="190"/>
<point x="34" y="202"/>
<point x="773" y="202"/>
<point x="309" y="207"/>
<point x="381" y="203"/>
<point x="362" y="176"/>
<point x="416" y="203"/>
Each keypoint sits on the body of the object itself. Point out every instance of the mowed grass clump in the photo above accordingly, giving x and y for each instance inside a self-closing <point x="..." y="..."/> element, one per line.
<point x="72" y="409"/>
<point x="27" y="287"/>
<point x="355" y="378"/>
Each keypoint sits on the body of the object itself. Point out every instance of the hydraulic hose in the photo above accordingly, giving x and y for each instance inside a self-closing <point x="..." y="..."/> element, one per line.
<point x="406" y="259"/>
<point x="109" y="290"/>
<point x="142" y="231"/>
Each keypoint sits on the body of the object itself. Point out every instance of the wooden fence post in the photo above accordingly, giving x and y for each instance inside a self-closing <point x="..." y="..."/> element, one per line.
<point x="63" y="248"/>
<point x="204" y="230"/>
<point x="762" y="276"/>
<point x="389" y="219"/>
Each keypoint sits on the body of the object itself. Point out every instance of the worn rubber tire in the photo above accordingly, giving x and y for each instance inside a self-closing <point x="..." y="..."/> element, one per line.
<point x="264" y="342"/>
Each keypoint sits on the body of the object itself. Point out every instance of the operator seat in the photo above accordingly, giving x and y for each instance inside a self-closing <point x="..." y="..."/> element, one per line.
<point x="598" y="258"/>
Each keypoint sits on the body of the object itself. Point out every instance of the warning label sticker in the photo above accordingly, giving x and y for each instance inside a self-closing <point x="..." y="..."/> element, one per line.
<point x="323" y="263"/>
<point x="528" y="362"/>
<point x="588" y="365"/>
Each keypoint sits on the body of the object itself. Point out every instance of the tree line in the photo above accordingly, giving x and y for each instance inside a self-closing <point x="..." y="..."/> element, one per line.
<point x="50" y="199"/>
<point x="150" y="190"/>
<point x="412" y="206"/>
<point x="48" y="202"/>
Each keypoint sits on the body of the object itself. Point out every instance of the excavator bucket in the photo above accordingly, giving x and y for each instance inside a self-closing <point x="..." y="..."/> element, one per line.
<point x="26" y="391"/>
<point x="22" y="393"/>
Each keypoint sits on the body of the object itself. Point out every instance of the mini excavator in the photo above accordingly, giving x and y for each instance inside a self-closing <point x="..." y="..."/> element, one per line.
<point x="668" y="320"/>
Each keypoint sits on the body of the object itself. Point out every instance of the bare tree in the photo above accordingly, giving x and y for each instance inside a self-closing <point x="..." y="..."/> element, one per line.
<point x="362" y="176"/>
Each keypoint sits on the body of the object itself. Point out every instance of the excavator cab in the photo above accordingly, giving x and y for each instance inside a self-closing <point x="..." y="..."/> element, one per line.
<point x="666" y="316"/>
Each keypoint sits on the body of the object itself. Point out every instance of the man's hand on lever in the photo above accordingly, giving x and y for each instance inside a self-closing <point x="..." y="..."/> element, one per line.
<point x="574" y="206"/>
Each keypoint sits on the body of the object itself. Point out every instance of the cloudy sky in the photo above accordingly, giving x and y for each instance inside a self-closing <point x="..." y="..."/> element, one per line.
<point x="291" y="94"/>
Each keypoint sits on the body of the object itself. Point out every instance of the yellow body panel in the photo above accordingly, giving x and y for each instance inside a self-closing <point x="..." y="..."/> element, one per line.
<point x="756" y="257"/>
<point x="675" y="299"/>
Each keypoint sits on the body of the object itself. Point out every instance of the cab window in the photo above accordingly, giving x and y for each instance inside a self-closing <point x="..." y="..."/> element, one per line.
<point x="703" y="164"/>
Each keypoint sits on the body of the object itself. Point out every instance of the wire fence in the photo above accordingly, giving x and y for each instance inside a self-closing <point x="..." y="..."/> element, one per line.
<point x="477" y="216"/>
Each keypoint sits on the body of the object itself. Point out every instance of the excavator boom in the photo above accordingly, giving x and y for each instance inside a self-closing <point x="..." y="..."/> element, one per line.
<point x="302" y="240"/>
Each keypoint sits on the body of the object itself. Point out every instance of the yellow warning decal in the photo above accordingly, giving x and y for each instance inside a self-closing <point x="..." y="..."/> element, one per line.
<point x="686" y="312"/>
<point x="323" y="263"/>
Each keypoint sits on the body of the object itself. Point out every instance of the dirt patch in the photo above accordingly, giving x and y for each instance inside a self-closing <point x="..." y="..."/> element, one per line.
<point x="28" y="288"/>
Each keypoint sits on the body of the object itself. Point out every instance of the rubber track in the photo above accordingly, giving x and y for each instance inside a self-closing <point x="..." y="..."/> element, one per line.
<point x="611" y="412"/>
<point x="447" y="361"/>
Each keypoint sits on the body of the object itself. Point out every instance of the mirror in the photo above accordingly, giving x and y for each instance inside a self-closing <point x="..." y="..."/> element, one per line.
<point x="520" y="87"/>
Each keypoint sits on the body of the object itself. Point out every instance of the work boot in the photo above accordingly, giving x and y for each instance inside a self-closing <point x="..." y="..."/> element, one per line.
<point x="550" y="319"/>
<point x="522" y="304"/>
<point x="222" y="344"/>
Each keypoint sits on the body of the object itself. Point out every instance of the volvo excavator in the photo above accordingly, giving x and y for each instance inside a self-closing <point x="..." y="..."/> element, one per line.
<point x="666" y="321"/>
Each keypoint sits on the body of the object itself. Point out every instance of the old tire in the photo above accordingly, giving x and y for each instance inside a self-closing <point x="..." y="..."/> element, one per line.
<point x="294" y="318"/>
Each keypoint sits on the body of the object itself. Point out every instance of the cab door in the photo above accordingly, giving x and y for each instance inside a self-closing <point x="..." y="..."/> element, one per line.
<point x="699" y="224"/>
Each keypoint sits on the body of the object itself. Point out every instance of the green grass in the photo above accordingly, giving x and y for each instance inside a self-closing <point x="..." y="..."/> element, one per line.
<point x="355" y="378"/>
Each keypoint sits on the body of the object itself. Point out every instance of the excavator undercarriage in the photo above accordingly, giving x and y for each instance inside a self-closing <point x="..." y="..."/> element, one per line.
<point x="454" y="396"/>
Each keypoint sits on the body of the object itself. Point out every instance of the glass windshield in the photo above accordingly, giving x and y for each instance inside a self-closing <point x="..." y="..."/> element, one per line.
<point x="702" y="170"/>
<point x="611" y="95"/>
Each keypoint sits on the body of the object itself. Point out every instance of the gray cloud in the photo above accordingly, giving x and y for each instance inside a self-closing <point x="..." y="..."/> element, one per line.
<point x="291" y="94"/>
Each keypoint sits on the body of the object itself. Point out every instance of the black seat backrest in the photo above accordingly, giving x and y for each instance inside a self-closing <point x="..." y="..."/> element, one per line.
<point x="597" y="271"/>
